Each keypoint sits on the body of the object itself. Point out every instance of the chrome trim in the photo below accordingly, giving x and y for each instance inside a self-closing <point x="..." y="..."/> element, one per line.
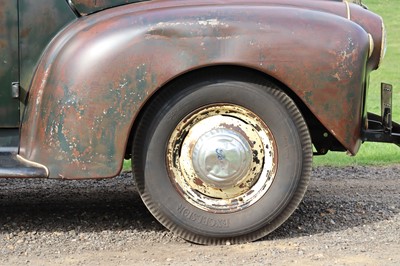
<point x="9" y="149"/>
<point x="371" y="45"/>
<point x="383" y="45"/>
<point x="34" y="164"/>
<point x="72" y="5"/>
<point x="348" y="9"/>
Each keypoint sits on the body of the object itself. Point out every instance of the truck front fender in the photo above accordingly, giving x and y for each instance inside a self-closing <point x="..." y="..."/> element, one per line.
<point x="97" y="74"/>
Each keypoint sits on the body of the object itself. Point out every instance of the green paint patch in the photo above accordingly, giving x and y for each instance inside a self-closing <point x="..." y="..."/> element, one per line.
<point x="308" y="96"/>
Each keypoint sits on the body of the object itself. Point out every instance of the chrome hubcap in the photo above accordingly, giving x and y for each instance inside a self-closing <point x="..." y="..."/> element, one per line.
<point x="222" y="157"/>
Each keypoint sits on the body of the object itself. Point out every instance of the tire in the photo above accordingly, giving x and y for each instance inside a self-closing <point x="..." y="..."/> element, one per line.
<point x="224" y="159"/>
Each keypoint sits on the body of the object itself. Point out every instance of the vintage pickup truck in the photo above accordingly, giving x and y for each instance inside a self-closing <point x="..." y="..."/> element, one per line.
<point x="218" y="103"/>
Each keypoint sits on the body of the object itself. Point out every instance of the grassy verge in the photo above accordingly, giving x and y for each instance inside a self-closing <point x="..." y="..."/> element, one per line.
<point x="378" y="153"/>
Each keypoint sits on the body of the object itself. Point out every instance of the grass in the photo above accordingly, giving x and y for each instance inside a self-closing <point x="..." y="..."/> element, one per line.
<point x="374" y="153"/>
<point x="378" y="153"/>
<point x="127" y="165"/>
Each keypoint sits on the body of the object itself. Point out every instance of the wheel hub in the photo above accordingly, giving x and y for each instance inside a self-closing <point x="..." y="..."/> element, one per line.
<point x="222" y="157"/>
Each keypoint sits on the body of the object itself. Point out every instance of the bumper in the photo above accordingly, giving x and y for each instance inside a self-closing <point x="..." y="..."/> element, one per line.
<point x="382" y="128"/>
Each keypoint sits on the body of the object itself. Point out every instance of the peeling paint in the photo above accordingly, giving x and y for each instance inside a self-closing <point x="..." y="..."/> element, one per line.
<point x="234" y="175"/>
<point x="82" y="102"/>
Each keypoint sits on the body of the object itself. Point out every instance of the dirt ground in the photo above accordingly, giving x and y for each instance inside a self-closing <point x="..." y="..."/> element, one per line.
<point x="349" y="216"/>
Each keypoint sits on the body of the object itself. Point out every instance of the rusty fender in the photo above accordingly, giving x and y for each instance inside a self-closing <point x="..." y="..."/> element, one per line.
<point x="97" y="74"/>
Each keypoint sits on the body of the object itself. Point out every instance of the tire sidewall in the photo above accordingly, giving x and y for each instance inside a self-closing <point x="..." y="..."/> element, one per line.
<point x="170" y="207"/>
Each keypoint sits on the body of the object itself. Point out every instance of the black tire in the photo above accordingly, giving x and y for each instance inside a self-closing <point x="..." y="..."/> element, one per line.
<point x="168" y="193"/>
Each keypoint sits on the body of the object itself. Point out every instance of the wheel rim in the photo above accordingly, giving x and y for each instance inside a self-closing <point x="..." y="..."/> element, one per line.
<point x="222" y="158"/>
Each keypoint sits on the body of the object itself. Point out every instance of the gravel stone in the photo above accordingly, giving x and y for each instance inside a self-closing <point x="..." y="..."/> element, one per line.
<point x="349" y="216"/>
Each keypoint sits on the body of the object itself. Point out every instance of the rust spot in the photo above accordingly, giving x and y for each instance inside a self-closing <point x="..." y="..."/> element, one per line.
<point x="25" y="32"/>
<point x="255" y="157"/>
<point x="198" y="182"/>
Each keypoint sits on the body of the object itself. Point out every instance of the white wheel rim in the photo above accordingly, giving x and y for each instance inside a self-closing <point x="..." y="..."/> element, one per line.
<point x="222" y="158"/>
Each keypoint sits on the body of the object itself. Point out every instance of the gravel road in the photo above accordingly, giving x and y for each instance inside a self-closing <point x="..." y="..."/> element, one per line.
<point x="349" y="216"/>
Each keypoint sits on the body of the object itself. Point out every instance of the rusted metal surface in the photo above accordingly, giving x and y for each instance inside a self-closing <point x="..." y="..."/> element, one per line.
<point x="9" y="107"/>
<point x="373" y="25"/>
<point x="39" y="23"/>
<point x="235" y="175"/>
<point x="85" y="7"/>
<point x="97" y="74"/>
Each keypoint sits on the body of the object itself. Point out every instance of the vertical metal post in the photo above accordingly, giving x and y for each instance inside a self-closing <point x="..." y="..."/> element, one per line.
<point x="386" y="106"/>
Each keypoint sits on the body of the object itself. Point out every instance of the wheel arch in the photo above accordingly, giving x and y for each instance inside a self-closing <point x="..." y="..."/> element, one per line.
<point x="321" y="138"/>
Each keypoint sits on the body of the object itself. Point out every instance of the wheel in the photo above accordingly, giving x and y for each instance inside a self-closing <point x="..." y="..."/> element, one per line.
<point x="222" y="159"/>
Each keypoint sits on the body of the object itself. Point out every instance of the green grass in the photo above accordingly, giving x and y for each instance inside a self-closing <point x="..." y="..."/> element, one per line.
<point x="378" y="153"/>
<point x="127" y="165"/>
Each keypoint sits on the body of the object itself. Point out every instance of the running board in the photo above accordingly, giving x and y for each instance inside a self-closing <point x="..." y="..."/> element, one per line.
<point x="14" y="166"/>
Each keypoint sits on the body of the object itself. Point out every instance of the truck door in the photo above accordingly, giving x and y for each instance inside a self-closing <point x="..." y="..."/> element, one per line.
<point x="9" y="103"/>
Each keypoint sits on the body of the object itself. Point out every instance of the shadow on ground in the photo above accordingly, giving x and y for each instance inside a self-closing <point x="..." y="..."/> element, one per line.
<point x="338" y="203"/>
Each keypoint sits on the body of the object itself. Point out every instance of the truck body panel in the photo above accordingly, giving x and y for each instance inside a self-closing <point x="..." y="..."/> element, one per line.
<point x="9" y="70"/>
<point x="97" y="74"/>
